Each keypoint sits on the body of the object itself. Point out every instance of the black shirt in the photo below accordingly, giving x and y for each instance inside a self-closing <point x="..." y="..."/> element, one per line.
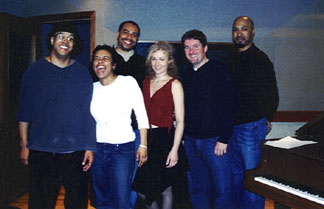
<point x="134" y="67"/>
<point x="210" y="101"/>
<point x="256" y="85"/>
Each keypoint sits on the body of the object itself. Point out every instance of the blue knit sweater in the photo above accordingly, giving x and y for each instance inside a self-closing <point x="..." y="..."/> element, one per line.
<point x="56" y="103"/>
<point x="210" y="101"/>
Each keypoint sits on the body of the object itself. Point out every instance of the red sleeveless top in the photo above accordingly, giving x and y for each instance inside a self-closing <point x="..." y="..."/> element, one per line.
<point x="159" y="107"/>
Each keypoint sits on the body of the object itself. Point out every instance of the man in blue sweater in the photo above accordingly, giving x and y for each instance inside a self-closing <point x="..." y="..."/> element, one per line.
<point x="56" y="128"/>
<point x="210" y="107"/>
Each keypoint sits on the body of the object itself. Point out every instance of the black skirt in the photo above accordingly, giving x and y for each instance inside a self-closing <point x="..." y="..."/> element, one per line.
<point x="153" y="177"/>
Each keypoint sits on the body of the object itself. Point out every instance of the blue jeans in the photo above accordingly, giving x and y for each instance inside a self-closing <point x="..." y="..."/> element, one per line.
<point x="112" y="171"/>
<point x="209" y="176"/>
<point x="133" y="195"/>
<point x="246" y="152"/>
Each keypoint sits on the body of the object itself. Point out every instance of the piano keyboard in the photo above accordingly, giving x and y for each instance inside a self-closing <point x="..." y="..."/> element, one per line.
<point x="289" y="189"/>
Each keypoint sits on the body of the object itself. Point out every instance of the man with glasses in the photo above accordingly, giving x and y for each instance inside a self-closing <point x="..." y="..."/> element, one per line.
<point x="56" y="128"/>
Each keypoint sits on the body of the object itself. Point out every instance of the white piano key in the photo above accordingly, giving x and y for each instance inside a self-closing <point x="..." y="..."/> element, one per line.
<point x="289" y="189"/>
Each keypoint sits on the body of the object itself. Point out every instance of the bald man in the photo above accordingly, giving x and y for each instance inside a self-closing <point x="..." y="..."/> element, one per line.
<point x="257" y="103"/>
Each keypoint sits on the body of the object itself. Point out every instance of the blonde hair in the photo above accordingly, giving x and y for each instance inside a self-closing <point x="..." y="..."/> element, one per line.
<point x="166" y="48"/>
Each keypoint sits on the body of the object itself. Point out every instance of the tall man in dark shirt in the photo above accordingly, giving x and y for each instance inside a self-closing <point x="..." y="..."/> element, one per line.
<point x="128" y="62"/>
<point x="257" y="103"/>
<point x="56" y="128"/>
<point x="210" y="106"/>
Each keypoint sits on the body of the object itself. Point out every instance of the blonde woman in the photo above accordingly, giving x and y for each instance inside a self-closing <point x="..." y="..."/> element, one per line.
<point x="163" y="97"/>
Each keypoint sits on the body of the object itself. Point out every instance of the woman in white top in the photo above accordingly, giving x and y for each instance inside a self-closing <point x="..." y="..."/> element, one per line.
<point x="114" y="98"/>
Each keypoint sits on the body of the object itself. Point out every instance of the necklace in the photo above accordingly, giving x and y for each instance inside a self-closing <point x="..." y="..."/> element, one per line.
<point x="157" y="80"/>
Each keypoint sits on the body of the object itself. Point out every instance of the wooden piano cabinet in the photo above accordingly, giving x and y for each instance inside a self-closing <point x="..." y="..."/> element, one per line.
<point x="303" y="165"/>
<point x="281" y="199"/>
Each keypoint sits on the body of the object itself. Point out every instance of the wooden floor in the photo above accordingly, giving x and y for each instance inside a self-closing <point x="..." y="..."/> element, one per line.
<point x="22" y="202"/>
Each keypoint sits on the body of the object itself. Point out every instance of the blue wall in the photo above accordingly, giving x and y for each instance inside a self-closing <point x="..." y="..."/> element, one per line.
<point x="290" y="32"/>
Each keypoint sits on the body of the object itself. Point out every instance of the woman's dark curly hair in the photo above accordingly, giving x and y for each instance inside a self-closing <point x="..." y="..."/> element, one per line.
<point x="106" y="48"/>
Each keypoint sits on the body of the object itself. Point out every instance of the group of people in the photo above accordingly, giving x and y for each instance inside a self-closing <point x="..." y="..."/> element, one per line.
<point x="142" y="125"/>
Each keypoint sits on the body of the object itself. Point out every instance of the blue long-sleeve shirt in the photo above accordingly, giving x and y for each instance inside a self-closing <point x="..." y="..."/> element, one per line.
<point x="210" y="101"/>
<point x="56" y="103"/>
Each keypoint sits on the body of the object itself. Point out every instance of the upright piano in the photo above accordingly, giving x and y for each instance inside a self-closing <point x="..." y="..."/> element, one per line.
<point x="293" y="178"/>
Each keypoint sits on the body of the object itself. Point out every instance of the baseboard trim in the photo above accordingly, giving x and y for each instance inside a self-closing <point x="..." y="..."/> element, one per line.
<point x="295" y="116"/>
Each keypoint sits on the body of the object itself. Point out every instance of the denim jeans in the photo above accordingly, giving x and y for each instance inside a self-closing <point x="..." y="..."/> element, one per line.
<point x="46" y="173"/>
<point x="246" y="152"/>
<point x="209" y="176"/>
<point x="112" y="171"/>
<point x="133" y="195"/>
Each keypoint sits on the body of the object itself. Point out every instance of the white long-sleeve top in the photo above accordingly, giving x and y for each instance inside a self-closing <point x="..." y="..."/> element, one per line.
<point x="111" y="107"/>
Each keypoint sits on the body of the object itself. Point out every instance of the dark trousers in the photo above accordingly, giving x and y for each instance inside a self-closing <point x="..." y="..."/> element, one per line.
<point x="46" y="173"/>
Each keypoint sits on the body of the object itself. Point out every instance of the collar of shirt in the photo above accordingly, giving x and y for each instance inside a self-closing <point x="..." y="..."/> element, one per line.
<point x="126" y="55"/>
